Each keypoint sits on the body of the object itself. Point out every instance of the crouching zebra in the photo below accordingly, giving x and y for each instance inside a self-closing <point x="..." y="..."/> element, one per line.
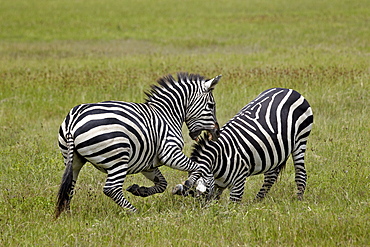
<point x="259" y="139"/>
<point x="121" y="138"/>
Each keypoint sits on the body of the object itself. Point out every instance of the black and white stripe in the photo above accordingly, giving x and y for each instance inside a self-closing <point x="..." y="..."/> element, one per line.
<point x="121" y="138"/>
<point x="259" y="139"/>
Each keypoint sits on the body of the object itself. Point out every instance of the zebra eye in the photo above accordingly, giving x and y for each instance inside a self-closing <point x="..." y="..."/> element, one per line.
<point x="211" y="105"/>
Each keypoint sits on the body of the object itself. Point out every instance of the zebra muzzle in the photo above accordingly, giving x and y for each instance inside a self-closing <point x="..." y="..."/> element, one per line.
<point x="207" y="133"/>
<point x="212" y="134"/>
<point x="195" y="135"/>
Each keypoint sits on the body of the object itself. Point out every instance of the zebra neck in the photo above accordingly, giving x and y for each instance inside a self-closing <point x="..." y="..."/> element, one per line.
<point x="170" y="113"/>
<point x="206" y="153"/>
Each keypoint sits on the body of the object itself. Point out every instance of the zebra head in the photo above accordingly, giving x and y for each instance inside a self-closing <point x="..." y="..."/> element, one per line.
<point x="201" y="111"/>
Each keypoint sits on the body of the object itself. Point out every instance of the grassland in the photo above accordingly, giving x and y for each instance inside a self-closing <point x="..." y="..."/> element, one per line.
<point x="57" y="54"/>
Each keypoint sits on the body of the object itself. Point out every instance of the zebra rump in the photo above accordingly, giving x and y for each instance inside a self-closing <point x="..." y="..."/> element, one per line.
<point x="259" y="139"/>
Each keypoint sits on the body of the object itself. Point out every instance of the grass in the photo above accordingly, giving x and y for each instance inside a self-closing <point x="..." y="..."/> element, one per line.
<point x="56" y="54"/>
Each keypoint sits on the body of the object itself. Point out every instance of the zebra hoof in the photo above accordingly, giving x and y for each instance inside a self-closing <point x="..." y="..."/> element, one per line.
<point x="134" y="189"/>
<point x="258" y="198"/>
<point x="138" y="191"/>
<point x="129" y="212"/>
<point x="300" y="197"/>
<point x="178" y="189"/>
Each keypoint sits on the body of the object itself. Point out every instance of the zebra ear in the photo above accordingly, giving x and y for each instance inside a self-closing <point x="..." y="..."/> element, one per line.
<point x="211" y="83"/>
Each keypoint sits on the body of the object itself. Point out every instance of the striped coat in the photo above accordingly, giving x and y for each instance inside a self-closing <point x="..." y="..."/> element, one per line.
<point x="122" y="138"/>
<point x="258" y="140"/>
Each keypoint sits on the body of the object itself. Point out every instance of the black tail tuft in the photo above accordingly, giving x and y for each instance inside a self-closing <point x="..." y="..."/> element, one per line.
<point x="66" y="186"/>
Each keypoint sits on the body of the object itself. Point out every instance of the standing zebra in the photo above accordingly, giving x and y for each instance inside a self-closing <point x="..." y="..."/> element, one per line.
<point x="121" y="138"/>
<point x="259" y="139"/>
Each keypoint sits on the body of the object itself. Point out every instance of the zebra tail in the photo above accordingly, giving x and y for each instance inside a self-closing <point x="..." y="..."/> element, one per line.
<point x="65" y="189"/>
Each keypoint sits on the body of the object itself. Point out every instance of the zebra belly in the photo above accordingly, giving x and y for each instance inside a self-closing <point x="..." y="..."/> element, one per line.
<point x="260" y="168"/>
<point x="221" y="183"/>
<point x="261" y="162"/>
<point x="242" y="161"/>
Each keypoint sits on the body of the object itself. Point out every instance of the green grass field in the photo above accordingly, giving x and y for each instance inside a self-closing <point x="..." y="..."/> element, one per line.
<point x="57" y="54"/>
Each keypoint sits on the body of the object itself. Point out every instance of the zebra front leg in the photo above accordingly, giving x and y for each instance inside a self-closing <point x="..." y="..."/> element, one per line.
<point x="113" y="188"/>
<point x="270" y="178"/>
<point x="237" y="190"/>
<point x="173" y="157"/>
<point x="160" y="184"/>
<point x="218" y="192"/>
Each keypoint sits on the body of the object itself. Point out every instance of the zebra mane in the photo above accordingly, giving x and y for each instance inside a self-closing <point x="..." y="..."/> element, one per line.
<point x="167" y="81"/>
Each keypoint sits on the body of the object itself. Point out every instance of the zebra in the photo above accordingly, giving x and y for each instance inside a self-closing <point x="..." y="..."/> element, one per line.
<point x="259" y="139"/>
<point x="122" y="138"/>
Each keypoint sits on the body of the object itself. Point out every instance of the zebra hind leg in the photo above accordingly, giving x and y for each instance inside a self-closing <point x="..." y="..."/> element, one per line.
<point x="300" y="171"/>
<point x="270" y="178"/>
<point x="160" y="184"/>
<point x="113" y="188"/>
